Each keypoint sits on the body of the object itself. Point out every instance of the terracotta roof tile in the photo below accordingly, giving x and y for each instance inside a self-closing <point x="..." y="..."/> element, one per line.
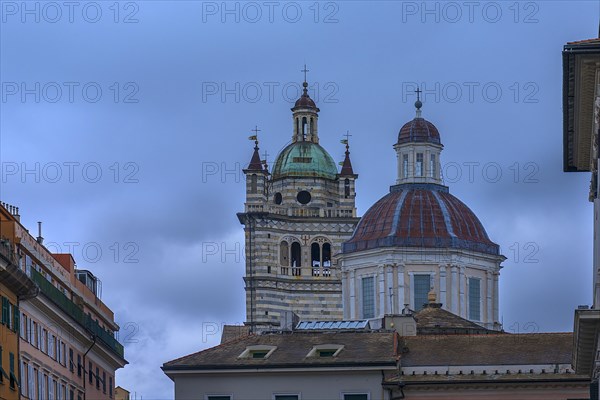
<point x="586" y="41"/>
<point x="419" y="130"/>
<point x="415" y="215"/>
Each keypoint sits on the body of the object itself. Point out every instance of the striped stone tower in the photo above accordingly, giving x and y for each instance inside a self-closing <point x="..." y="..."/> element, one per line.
<point x="295" y="219"/>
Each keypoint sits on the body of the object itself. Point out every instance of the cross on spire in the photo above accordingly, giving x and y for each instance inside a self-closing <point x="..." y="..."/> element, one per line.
<point x="418" y="92"/>
<point x="305" y="71"/>
<point x="347" y="140"/>
<point x="418" y="103"/>
<point x="347" y="136"/>
<point x="255" y="136"/>
<point x="265" y="155"/>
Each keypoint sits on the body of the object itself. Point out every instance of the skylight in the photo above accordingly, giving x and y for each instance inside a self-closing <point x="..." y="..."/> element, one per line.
<point x="258" y="352"/>
<point x="325" y="350"/>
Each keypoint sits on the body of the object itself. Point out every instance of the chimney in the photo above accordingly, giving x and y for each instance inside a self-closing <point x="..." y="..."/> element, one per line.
<point x="403" y="324"/>
<point x="40" y="239"/>
<point x="14" y="211"/>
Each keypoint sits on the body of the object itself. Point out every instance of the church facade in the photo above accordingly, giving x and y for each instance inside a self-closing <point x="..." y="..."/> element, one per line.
<point x="419" y="238"/>
<point x="295" y="219"/>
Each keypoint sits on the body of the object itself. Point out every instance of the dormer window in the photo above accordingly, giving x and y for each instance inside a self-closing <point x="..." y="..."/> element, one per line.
<point x="325" y="350"/>
<point x="258" y="352"/>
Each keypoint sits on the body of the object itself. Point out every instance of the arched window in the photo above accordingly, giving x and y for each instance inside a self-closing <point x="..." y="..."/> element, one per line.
<point x="326" y="255"/>
<point x="304" y="128"/>
<point x="297" y="126"/>
<point x="347" y="187"/>
<point x="405" y="165"/>
<point x="315" y="255"/>
<point x="284" y="252"/>
<point x="296" y="255"/>
<point x="311" y="126"/>
<point x="253" y="183"/>
<point x="432" y="167"/>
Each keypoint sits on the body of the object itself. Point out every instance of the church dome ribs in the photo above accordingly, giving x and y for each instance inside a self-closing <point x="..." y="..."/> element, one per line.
<point x="304" y="159"/>
<point x="428" y="217"/>
<point x="419" y="130"/>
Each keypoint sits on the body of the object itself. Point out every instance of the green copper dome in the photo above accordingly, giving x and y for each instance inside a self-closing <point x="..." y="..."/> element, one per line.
<point x="304" y="159"/>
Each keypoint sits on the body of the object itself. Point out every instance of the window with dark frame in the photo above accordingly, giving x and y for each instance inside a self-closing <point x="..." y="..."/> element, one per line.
<point x="13" y="377"/>
<point x="356" y="396"/>
<point x="71" y="363"/>
<point x="422" y="283"/>
<point x="287" y="397"/>
<point x="368" y="297"/>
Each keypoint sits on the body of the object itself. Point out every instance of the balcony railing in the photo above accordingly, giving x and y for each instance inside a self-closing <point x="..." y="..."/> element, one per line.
<point x="76" y="312"/>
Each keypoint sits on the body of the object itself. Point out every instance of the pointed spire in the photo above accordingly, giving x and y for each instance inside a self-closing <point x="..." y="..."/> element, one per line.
<point x="347" y="165"/>
<point x="255" y="163"/>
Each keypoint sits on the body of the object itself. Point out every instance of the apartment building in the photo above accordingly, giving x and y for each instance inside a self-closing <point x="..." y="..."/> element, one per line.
<point x="68" y="348"/>
<point x="15" y="286"/>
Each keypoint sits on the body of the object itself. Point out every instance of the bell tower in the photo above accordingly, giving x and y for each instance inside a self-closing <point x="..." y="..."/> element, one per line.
<point x="296" y="217"/>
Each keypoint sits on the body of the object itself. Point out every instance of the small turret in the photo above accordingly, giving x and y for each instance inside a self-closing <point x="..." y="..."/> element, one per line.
<point x="347" y="180"/>
<point x="305" y="116"/>
<point x="256" y="179"/>
<point x="418" y="150"/>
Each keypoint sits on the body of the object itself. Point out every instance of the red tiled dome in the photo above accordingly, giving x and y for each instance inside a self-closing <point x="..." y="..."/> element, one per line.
<point x="419" y="130"/>
<point x="305" y="101"/>
<point x="420" y="215"/>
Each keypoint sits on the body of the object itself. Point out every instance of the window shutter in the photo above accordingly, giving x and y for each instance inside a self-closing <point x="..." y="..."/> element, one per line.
<point x="4" y="310"/>
<point x="11" y="369"/>
<point x="16" y="319"/>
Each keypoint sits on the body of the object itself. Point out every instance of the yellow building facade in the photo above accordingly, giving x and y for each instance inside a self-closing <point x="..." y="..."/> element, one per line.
<point x="14" y="286"/>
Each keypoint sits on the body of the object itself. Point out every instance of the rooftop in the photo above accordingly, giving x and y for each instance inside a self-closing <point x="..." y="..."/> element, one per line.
<point x="360" y="349"/>
<point x="500" y="349"/>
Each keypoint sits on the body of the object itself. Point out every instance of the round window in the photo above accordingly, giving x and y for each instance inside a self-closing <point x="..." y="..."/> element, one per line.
<point x="303" y="197"/>
<point x="278" y="199"/>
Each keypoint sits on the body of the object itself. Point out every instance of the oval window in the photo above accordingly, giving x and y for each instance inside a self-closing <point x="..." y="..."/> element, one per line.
<point x="303" y="197"/>
<point x="278" y="198"/>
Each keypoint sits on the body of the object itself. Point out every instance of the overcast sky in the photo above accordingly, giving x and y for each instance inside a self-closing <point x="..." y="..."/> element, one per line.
<point x="124" y="129"/>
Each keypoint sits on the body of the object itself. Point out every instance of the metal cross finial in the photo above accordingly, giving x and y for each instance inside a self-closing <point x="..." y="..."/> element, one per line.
<point x="305" y="71"/>
<point x="347" y="135"/>
<point x="418" y="92"/>
<point x="265" y="155"/>
<point x="255" y="130"/>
